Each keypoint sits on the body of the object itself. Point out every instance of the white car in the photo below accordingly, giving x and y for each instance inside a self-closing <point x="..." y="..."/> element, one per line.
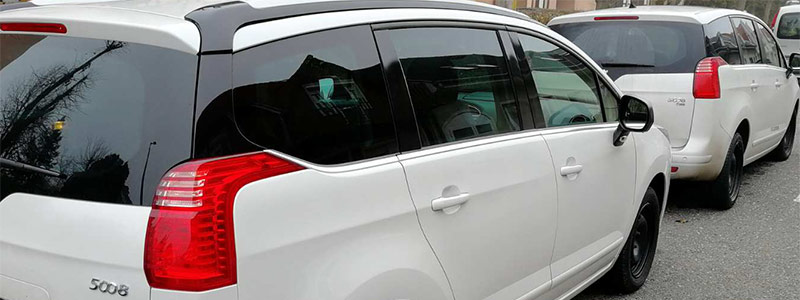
<point x="786" y="25"/>
<point x="716" y="79"/>
<point x="315" y="150"/>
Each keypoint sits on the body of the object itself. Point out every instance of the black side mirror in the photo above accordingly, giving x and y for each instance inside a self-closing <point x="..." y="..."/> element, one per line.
<point x="635" y="115"/>
<point x="794" y="65"/>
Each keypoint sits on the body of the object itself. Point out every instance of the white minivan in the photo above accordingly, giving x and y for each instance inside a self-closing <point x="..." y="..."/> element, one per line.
<point x="315" y="150"/>
<point x="715" y="77"/>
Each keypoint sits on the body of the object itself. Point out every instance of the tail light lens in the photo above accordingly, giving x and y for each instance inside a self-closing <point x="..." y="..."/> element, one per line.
<point x="190" y="244"/>
<point x="706" y="78"/>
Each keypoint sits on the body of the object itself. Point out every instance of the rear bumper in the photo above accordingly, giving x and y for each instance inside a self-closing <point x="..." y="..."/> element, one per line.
<point x="703" y="156"/>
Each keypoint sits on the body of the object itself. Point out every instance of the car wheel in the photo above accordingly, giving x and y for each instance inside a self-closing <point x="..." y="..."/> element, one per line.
<point x="725" y="189"/>
<point x="633" y="264"/>
<point x="784" y="149"/>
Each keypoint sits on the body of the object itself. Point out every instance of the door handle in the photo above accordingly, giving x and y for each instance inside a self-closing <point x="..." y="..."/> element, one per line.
<point x="447" y="202"/>
<point x="778" y="84"/>
<point x="754" y="86"/>
<point x="569" y="170"/>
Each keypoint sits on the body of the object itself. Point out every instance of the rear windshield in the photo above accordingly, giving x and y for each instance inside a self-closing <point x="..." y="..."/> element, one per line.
<point x="789" y="27"/>
<point x="92" y="119"/>
<point x="625" y="47"/>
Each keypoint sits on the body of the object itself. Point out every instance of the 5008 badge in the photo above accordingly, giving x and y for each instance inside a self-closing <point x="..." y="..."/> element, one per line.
<point x="108" y="287"/>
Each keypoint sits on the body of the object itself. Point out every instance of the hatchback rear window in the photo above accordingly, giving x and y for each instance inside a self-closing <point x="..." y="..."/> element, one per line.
<point x="626" y="47"/>
<point x="92" y="119"/>
<point x="789" y="27"/>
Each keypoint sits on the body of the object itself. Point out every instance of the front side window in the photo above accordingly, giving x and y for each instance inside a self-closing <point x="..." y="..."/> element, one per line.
<point x="721" y="41"/>
<point x="789" y="27"/>
<point x="91" y="119"/>
<point x="769" y="48"/>
<point x="748" y="42"/>
<point x="459" y="82"/>
<point x="567" y="87"/>
<point x="319" y="97"/>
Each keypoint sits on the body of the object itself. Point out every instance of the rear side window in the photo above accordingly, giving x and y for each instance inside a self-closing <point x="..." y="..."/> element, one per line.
<point x="789" y="26"/>
<point x="92" y="119"/>
<point x="637" y="47"/>
<point x="748" y="42"/>
<point x="319" y="97"/>
<point x="567" y="87"/>
<point x="769" y="48"/>
<point x="721" y="41"/>
<point x="459" y="82"/>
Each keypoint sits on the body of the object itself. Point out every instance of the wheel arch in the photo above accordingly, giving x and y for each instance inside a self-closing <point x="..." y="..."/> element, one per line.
<point x="659" y="184"/>
<point x="744" y="130"/>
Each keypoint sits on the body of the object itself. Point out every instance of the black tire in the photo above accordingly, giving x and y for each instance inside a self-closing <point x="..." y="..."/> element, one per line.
<point x="633" y="265"/>
<point x="725" y="189"/>
<point x="784" y="149"/>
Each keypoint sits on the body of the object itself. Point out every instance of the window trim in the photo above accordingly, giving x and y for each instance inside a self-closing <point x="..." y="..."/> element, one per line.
<point x="540" y="114"/>
<point x="399" y="88"/>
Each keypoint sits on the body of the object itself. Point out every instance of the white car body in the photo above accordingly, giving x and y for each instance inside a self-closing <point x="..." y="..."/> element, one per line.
<point x="756" y="99"/>
<point x="532" y="228"/>
<point x="788" y="15"/>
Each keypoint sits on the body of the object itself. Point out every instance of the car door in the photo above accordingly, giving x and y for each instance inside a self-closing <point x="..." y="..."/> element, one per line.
<point x="759" y="85"/>
<point x="484" y="190"/>
<point x="595" y="178"/>
<point x="783" y="89"/>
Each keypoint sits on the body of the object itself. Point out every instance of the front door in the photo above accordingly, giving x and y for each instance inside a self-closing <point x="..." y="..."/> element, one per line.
<point x="595" y="178"/>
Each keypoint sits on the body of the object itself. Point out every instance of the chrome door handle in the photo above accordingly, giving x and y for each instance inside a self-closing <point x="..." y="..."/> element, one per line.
<point x="754" y="86"/>
<point x="569" y="170"/>
<point x="778" y="84"/>
<point x="447" y="202"/>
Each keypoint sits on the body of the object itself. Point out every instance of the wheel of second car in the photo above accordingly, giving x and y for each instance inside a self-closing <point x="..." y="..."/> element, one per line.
<point x="725" y="189"/>
<point x="784" y="149"/>
<point x="633" y="264"/>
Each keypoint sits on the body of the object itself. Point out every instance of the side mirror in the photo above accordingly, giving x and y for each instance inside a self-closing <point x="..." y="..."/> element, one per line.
<point x="794" y="65"/>
<point x="635" y="115"/>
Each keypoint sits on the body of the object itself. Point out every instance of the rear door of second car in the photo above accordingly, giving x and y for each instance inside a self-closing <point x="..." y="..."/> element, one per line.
<point x="483" y="186"/>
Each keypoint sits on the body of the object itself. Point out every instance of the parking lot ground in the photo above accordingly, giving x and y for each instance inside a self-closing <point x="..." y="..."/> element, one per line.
<point x="751" y="251"/>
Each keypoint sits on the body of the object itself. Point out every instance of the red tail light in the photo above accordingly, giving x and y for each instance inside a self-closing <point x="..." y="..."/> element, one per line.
<point x="774" y="19"/>
<point x="706" y="78"/>
<point x="616" y="18"/>
<point x="190" y="244"/>
<point x="34" y="27"/>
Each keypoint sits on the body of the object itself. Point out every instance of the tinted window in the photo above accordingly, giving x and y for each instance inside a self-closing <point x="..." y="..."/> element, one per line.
<point x="789" y="26"/>
<point x="769" y="48"/>
<point x="92" y="119"/>
<point x="748" y="42"/>
<point x="626" y="47"/>
<point x="567" y="87"/>
<point x="721" y="41"/>
<point x="319" y="97"/>
<point x="459" y="82"/>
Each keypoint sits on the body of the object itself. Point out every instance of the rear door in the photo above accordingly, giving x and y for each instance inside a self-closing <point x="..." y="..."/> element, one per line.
<point x="88" y="128"/>
<point x="484" y="192"/>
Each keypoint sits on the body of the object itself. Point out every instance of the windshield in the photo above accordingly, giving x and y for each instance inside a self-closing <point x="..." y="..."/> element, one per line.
<point x="789" y="27"/>
<point x="647" y="47"/>
<point x="91" y="119"/>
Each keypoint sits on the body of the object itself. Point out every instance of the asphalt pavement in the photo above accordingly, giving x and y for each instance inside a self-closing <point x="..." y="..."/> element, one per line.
<point x="751" y="251"/>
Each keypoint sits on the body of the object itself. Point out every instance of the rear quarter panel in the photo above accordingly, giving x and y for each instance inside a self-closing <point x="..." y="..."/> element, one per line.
<point x="333" y="234"/>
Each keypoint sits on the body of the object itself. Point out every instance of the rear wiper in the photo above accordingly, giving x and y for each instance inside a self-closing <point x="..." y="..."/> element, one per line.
<point x="23" y="166"/>
<point x="625" y="65"/>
